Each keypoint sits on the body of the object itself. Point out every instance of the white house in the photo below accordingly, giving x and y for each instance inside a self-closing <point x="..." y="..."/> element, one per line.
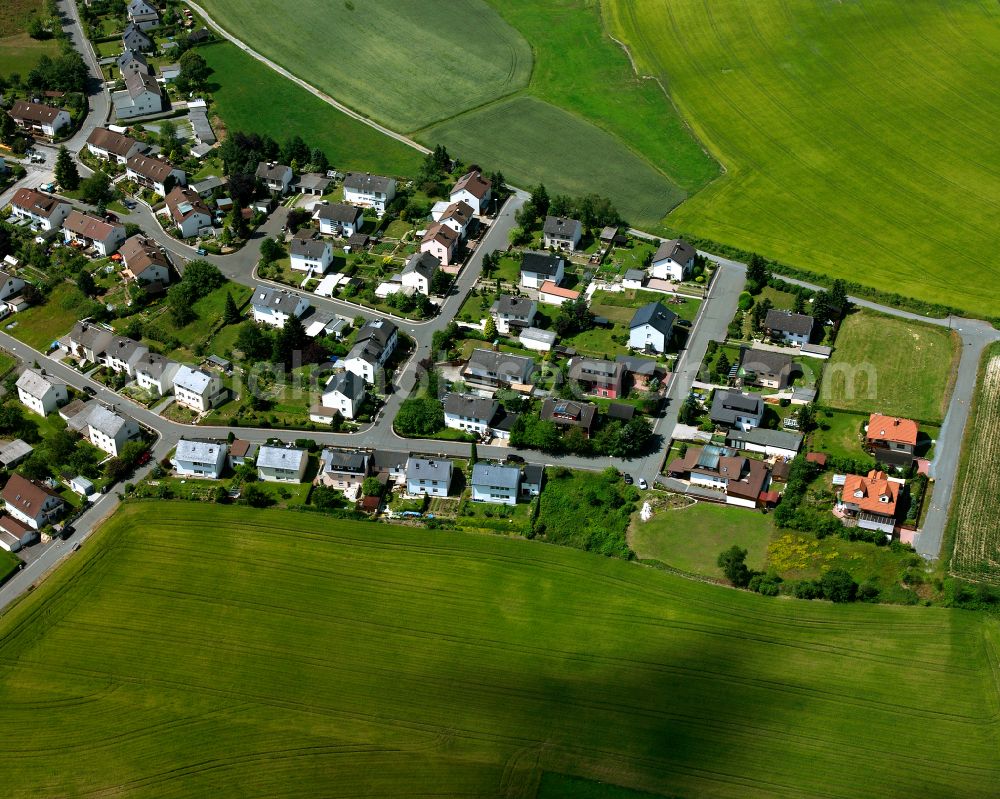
<point x="338" y="219"/>
<point x="419" y="271"/>
<point x="277" y="177"/>
<point x="373" y="346"/>
<point x="110" y="145"/>
<point x="791" y="328"/>
<point x="39" y="119"/>
<point x="309" y="254"/>
<point x="154" y="173"/>
<point x="10" y="287"/>
<point x="40" y="392"/>
<point x="30" y="503"/>
<point x="553" y="294"/>
<point x="737" y="410"/>
<point x="343" y="469"/>
<point x="469" y="413"/>
<point x="541" y="267"/>
<point x="188" y="211"/>
<point x="143" y="15"/>
<point x="44" y="211"/>
<point x="369" y="191"/>
<point x="155" y="373"/>
<point x="457" y="216"/>
<point x="122" y="354"/>
<point x="281" y="464"/>
<point x="141" y="96"/>
<point x="499" y="485"/>
<point x="561" y="233"/>
<point x="426" y="476"/>
<point x="145" y="261"/>
<point x="673" y="260"/>
<point x="344" y="392"/>
<point x="513" y="313"/>
<point x="440" y="241"/>
<point x="110" y="431"/>
<point x="474" y="190"/>
<point x="274" y="306"/>
<point x="197" y="389"/>
<point x="651" y="328"/>
<point x="196" y="458"/>
<point x="633" y="279"/>
<point x="89" y="231"/>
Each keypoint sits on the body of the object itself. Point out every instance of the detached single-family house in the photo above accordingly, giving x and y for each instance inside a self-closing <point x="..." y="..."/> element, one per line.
<point x="339" y="219"/>
<point x="200" y="458"/>
<point x="568" y="414"/>
<point x="345" y="470"/>
<point x="197" y="389"/>
<point x="10" y="292"/>
<point x="792" y="328"/>
<point x="767" y="368"/>
<point x="871" y="500"/>
<point x="673" y="260"/>
<point x="541" y="267"/>
<point x="369" y="191"/>
<point x="492" y="369"/>
<point x="44" y="211"/>
<point x="133" y="62"/>
<point x="40" y="392"/>
<point x="651" y="328"/>
<point x="891" y="440"/>
<point x="133" y="38"/>
<point x="110" y="431"/>
<point x="736" y="410"/>
<point x="373" y="346"/>
<point x="513" y="314"/>
<point x="89" y="231"/>
<point x="110" y="145"/>
<point x="141" y="96"/>
<point x="457" y="216"/>
<point x="441" y="242"/>
<point x="154" y="173"/>
<point x="281" y="464"/>
<point x="469" y="413"/>
<point x="30" y="503"/>
<point x="188" y="211"/>
<point x="427" y="476"/>
<point x="39" y="119"/>
<point x="276" y="177"/>
<point x="597" y="376"/>
<point x="309" y="253"/>
<point x="499" y="485"/>
<point x="145" y="261"/>
<point x="122" y="354"/>
<point x="472" y="188"/>
<point x="560" y="233"/>
<point x="88" y="341"/>
<point x="273" y="306"/>
<point x="419" y="271"/>
<point x="143" y="15"/>
<point x="344" y="392"/>
<point x="739" y="479"/>
<point x="155" y="373"/>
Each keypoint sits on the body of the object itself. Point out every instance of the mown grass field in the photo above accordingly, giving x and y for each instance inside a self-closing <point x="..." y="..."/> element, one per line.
<point x="533" y="142"/>
<point x="860" y="138"/>
<point x="973" y="523"/>
<point x="242" y="82"/>
<point x="18" y="51"/>
<point x="192" y="650"/>
<point x="882" y="364"/>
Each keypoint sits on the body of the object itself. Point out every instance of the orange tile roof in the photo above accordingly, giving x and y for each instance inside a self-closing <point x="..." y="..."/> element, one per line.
<point x="892" y="428"/>
<point x="548" y="287"/>
<point x="868" y="492"/>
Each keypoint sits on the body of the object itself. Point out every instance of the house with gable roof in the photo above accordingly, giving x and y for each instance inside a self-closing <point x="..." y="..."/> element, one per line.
<point x="44" y="211"/>
<point x="651" y="327"/>
<point x="369" y="191"/>
<point x="560" y="233"/>
<point x="188" y="211"/>
<point x="39" y="119"/>
<point x="891" y="439"/>
<point x="419" y="272"/>
<point x="40" y="392"/>
<point x="89" y="231"/>
<point x="673" y="260"/>
<point x="473" y="189"/>
<point x="871" y="500"/>
<point x="498" y="485"/>
<point x="200" y="458"/>
<point x="110" y="145"/>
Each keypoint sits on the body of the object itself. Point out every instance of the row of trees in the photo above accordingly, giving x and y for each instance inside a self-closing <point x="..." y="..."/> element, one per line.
<point x="836" y="585"/>
<point x="592" y="210"/>
<point x="614" y="438"/>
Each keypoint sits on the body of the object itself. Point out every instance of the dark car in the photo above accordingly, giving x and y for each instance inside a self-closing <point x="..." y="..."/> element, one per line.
<point x="90" y="390"/>
<point x="628" y="479"/>
<point x="515" y="459"/>
<point x="110" y="217"/>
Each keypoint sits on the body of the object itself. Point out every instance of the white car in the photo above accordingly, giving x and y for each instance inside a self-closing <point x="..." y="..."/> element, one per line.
<point x="643" y="484"/>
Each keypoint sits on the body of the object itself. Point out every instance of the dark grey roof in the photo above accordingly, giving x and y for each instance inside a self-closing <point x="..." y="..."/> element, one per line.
<point x="512" y="306"/>
<point x="503" y="365"/>
<point x="504" y="419"/>
<point x="338" y="212"/>
<point x="621" y="410"/>
<point x="308" y="248"/>
<point x="385" y="460"/>
<point x="472" y="406"/>
<point x="635" y="274"/>
<point x="336" y="460"/>
<point x="676" y="249"/>
<point x="540" y="263"/>
<point x="561" y="227"/>
<point x="639" y="366"/>
<point x="485" y="474"/>
<point x="656" y="316"/>
<point x="378" y="330"/>
<point x="796" y="323"/>
<point x="533" y="473"/>
<point x="423" y="263"/>
<point x="361" y="181"/>
<point x="347" y="383"/>
<point x="727" y="405"/>
<point x="272" y="171"/>
<point x="766" y="362"/>
<point x="761" y="436"/>
<point x="593" y="368"/>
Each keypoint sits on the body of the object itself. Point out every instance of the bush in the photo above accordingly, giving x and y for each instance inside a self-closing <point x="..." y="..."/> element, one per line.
<point x="839" y="586"/>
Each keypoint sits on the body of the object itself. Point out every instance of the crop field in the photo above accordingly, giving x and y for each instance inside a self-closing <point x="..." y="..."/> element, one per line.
<point x="882" y="364"/>
<point x="241" y="82"/>
<point x="533" y="142"/>
<point x="193" y="650"/>
<point x="859" y="138"/>
<point x="973" y="520"/>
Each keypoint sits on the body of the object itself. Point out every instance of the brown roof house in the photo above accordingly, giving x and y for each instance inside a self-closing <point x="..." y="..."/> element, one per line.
<point x="474" y="189"/>
<point x="737" y="479"/>
<point x="188" y="211"/>
<point x="767" y="368"/>
<point x="42" y="210"/>
<point x="113" y="146"/>
<point x="30" y="503"/>
<point x="154" y="173"/>
<point x="90" y="232"/>
<point x="568" y="414"/>
<point x="38" y="118"/>
<point x="145" y="262"/>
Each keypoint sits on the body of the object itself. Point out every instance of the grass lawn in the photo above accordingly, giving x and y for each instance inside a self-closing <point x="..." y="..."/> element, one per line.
<point x="838" y="434"/>
<point x="620" y="306"/>
<point x="882" y="364"/>
<point x="597" y="342"/>
<point x="853" y="134"/>
<point x="20" y="53"/>
<point x="7" y="362"/>
<point x="691" y="538"/>
<point x="9" y="564"/>
<point x="40" y="325"/>
<point x="291" y="110"/>
<point x="251" y="648"/>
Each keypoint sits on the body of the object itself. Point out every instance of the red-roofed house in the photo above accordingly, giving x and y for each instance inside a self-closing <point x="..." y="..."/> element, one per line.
<point x="891" y="439"/>
<point x="555" y="295"/>
<point x="871" y="500"/>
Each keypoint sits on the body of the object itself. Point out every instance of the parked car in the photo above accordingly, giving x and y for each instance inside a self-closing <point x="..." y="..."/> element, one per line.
<point x="515" y="459"/>
<point x="90" y="390"/>
<point x="110" y="217"/>
<point x="628" y="479"/>
<point x="643" y="484"/>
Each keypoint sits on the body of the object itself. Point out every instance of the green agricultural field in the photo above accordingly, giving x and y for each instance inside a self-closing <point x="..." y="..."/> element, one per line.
<point x="242" y="81"/>
<point x="197" y="650"/>
<point x="882" y="364"/>
<point x="859" y="138"/>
